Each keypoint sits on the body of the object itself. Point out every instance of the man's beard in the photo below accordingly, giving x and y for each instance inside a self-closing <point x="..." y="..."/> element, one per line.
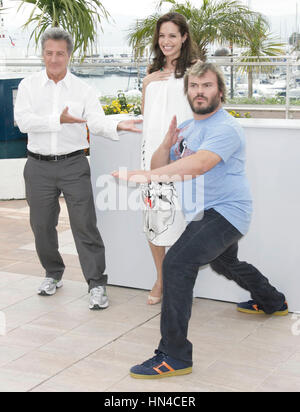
<point x="212" y="106"/>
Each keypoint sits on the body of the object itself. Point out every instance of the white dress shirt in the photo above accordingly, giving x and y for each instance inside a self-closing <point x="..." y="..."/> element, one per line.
<point x="39" y="104"/>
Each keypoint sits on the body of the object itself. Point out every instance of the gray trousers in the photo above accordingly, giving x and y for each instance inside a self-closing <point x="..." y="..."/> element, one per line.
<point x="45" y="181"/>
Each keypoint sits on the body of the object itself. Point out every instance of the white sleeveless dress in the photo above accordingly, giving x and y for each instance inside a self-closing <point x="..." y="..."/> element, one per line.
<point x="163" y="219"/>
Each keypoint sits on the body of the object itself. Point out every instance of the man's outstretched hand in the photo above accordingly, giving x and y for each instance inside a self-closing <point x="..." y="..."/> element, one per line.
<point x="130" y="126"/>
<point x="136" y="176"/>
<point x="65" y="117"/>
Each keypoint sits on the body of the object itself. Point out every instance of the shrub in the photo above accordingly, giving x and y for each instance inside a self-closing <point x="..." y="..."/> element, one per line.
<point x="121" y="105"/>
<point x="239" y="115"/>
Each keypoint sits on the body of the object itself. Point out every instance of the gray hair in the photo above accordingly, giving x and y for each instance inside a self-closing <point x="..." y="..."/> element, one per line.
<point x="56" y="33"/>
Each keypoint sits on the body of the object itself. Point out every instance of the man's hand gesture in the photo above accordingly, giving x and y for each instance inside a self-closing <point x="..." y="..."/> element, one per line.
<point x="172" y="135"/>
<point x="130" y="126"/>
<point x="65" y="117"/>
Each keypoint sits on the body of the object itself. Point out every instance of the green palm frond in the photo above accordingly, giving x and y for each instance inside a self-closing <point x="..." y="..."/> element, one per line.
<point x="260" y="43"/>
<point x="260" y="46"/>
<point x="79" y="17"/>
<point x="141" y="34"/>
<point x="211" y="22"/>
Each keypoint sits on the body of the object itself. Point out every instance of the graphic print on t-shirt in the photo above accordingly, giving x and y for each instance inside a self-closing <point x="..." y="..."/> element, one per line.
<point x="181" y="148"/>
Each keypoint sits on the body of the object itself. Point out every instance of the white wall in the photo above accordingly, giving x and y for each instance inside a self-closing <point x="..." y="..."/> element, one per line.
<point x="12" y="184"/>
<point x="273" y="241"/>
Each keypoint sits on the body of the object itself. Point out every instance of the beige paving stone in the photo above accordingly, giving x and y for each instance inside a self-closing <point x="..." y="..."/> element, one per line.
<point x="234" y="376"/>
<point x="40" y="363"/>
<point x="54" y="386"/>
<point x="9" y="245"/>
<point x="143" y="336"/>
<point x="129" y="314"/>
<point x="97" y="328"/>
<point x="280" y="383"/>
<point x="15" y="381"/>
<point x="18" y="255"/>
<point x="5" y="263"/>
<point x="58" y="319"/>
<point x="13" y="204"/>
<point x="282" y="323"/>
<point x="153" y="323"/>
<point x="205" y="355"/>
<point x="71" y="261"/>
<point x="124" y="353"/>
<point x="35" y="307"/>
<point x="290" y="367"/>
<point x="121" y="292"/>
<point x="16" y="317"/>
<point x="76" y="310"/>
<point x="231" y="313"/>
<point x="280" y="339"/>
<point x="9" y="297"/>
<point x="8" y="279"/>
<point x="178" y="384"/>
<point x="77" y="345"/>
<point x="88" y="376"/>
<point x="9" y="353"/>
<point x="27" y="268"/>
<point x="59" y="345"/>
<point x="75" y="274"/>
<point x="221" y="331"/>
<point x="211" y="306"/>
<point x="30" y="336"/>
<point x="256" y="356"/>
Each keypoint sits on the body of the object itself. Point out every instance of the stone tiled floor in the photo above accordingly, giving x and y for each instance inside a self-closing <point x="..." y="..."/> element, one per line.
<point x="57" y="345"/>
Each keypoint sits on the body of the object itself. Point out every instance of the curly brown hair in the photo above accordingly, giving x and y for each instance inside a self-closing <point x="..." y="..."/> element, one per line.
<point x="188" y="54"/>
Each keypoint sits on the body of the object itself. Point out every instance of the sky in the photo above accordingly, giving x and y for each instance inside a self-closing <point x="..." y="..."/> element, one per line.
<point x="141" y="8"/>
<point x="282" y="15"/>
<point x="145" y="7"/>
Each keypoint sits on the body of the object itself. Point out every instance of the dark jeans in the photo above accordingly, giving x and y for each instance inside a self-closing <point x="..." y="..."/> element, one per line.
<point x="45" y="181"/>
<point x="214" y="241"/>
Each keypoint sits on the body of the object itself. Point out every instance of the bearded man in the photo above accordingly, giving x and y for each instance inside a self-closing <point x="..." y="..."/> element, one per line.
<point x="208" y="150"/>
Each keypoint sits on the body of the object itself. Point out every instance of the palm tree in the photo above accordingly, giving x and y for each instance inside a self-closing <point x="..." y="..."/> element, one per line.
<point x="260" y="44"/>
<point x="78" y="17"/>
<point x="213" y="22"/>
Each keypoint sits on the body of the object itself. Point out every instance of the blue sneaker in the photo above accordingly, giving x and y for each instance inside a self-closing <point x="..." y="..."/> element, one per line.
<point x="252" y="308"/>
<point x="160" y="366"/>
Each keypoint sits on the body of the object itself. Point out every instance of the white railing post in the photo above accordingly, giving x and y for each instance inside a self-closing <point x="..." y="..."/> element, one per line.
<point x="288" y="84"/>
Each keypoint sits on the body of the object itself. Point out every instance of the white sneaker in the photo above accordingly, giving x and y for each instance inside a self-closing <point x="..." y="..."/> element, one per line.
<point x="49" y="287"/>
<point x="98" y="298"/>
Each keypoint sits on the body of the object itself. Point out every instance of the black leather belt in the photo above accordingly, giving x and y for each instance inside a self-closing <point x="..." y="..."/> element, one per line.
<point x="54" y="158"/>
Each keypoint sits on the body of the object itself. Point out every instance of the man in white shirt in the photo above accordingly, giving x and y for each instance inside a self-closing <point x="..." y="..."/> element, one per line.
<point x="54" y="108"/>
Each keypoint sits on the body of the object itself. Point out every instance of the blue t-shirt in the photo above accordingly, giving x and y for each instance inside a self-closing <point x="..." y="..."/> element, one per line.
<point x="224" y="188"/>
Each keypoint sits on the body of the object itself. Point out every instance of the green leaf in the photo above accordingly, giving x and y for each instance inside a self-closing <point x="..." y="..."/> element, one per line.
<point x="80" y="18"/>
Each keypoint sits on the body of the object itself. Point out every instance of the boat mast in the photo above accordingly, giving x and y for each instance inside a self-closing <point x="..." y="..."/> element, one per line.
<point x="296" y="17"/>
<point x="2" y="35"/>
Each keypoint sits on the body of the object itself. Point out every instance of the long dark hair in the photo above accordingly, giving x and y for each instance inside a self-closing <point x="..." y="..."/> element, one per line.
<point x="188" y="55"/>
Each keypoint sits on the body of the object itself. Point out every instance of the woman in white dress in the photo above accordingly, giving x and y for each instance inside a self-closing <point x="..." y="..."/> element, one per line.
<point x="163" y="97"/>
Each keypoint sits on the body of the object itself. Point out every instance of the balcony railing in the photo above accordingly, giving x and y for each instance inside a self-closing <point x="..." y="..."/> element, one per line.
<point x="276" y="80"/>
